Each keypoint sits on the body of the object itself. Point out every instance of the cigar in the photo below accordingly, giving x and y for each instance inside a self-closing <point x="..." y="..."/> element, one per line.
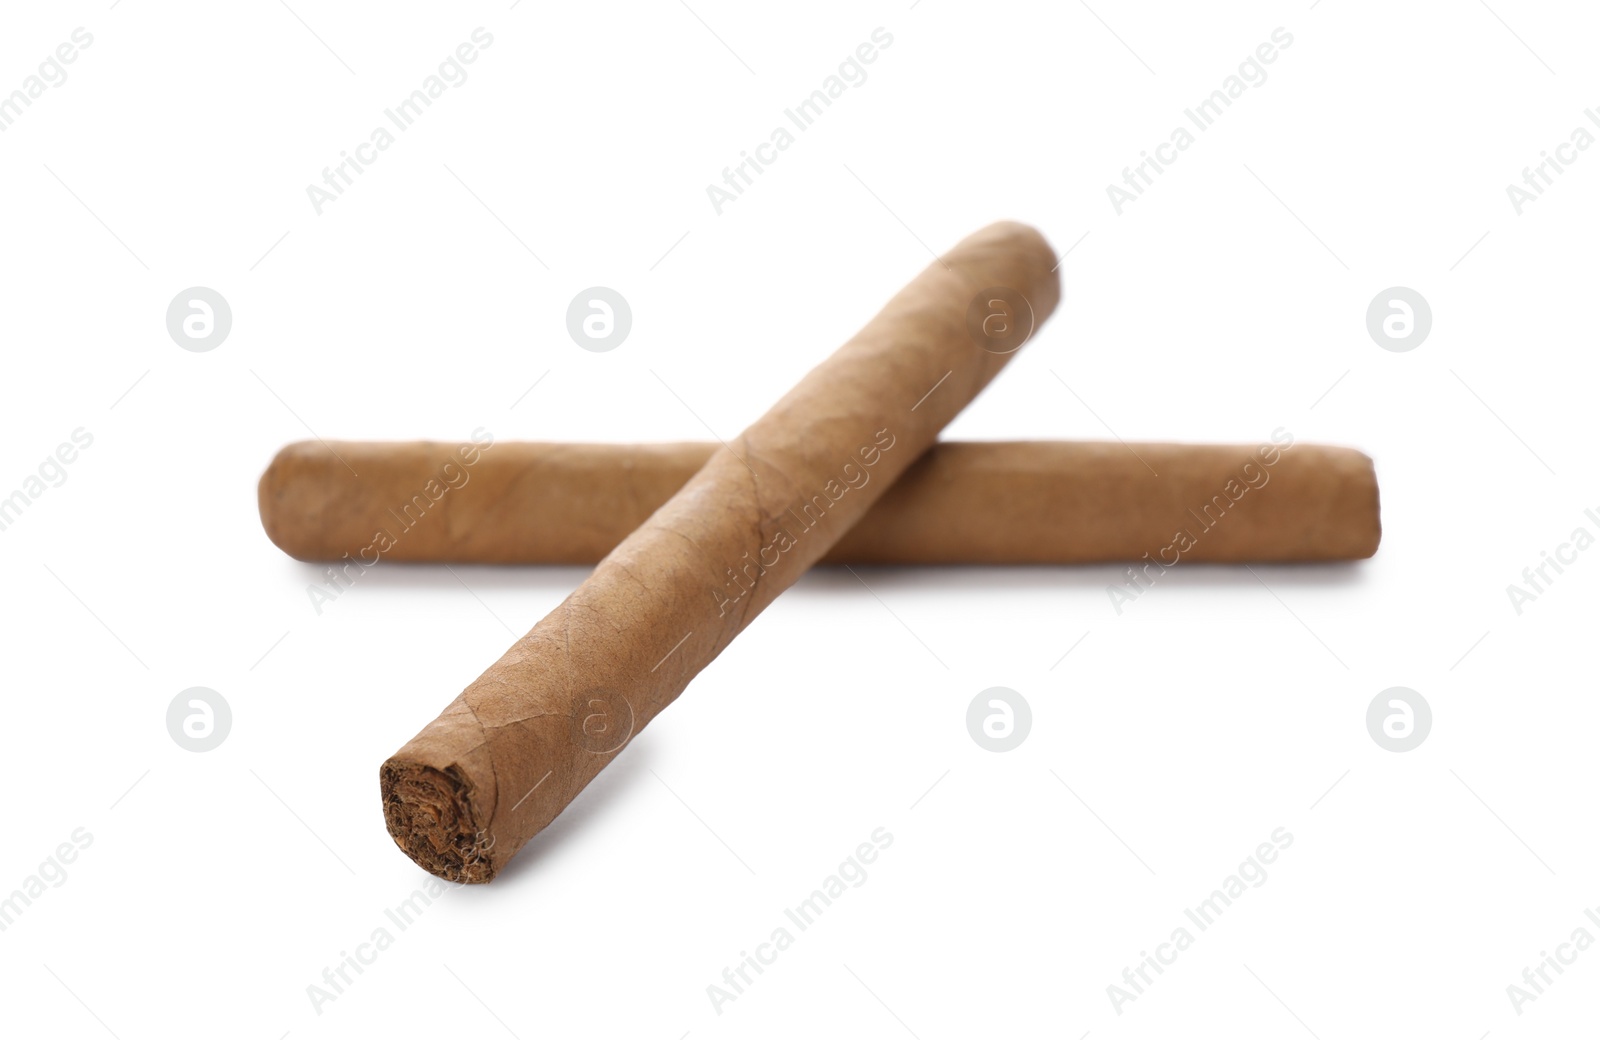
<point x="1038" y="502"/>
<point x="519" y="743"/>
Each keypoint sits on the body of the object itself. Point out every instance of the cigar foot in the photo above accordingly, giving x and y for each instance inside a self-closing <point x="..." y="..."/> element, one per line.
<point x="429" y="815"/>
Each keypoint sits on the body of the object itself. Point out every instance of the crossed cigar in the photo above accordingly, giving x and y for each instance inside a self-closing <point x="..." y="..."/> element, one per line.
<point x="694" y="540"/>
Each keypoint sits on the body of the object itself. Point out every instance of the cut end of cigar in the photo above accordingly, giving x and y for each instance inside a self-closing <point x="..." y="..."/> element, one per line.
<point x="429" y="815"/>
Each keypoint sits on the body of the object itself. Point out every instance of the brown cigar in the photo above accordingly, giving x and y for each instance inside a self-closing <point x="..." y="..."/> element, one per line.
<point x="518" y="744"/>
<point x="982" y="503"/>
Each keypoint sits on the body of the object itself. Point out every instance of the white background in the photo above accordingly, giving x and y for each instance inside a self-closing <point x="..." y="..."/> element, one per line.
<point x="1229" y="300"/>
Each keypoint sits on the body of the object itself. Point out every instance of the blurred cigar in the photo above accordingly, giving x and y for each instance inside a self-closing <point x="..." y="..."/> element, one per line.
<point x="1026" y="502"/>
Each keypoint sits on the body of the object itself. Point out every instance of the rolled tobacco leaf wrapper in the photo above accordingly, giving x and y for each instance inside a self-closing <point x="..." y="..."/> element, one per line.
<point x="1051" y="502"/>
<point x="522" y="740"/>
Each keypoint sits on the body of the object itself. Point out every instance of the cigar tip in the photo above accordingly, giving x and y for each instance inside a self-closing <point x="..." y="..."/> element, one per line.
<point x="428" y="813"/>
<point x="277" y="484"/>
<point x="1011" y="234"/>
<point x="1033" y="260"/>
<point x="1369" y="482"/>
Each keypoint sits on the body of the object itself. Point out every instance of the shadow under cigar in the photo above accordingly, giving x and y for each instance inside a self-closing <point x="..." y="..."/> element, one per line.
<point x="390" y="574"/>
<point x="831" y="579"/>
<point x="628" y="770"/>
<point x="1095" y="576"/>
